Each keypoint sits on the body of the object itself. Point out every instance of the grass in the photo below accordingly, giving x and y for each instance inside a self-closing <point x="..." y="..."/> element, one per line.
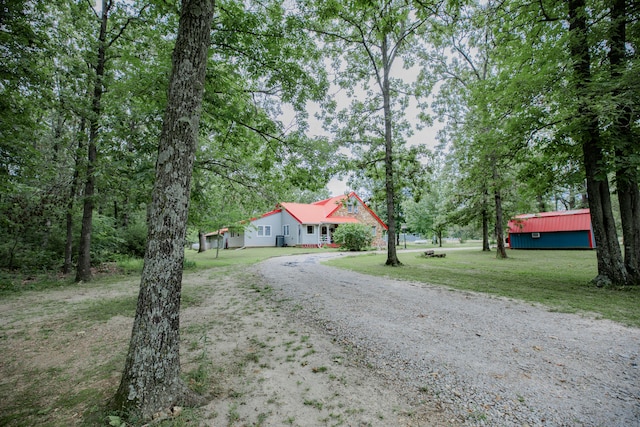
<point x="127" y="268"/>
<point x="242" y="257"/>
<point x="558" y="279"/>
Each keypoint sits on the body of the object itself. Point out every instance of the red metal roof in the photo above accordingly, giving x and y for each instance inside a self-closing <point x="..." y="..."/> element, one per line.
<point x="322" y="212"/>
<point x="575" y="220"/>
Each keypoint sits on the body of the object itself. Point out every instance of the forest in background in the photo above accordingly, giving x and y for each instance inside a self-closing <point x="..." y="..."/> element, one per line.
<point x="539" y="101"/>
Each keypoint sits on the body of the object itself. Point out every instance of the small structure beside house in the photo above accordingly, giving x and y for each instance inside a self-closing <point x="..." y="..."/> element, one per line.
<point x="552" y="230"/>
<point x="301" y="224"/>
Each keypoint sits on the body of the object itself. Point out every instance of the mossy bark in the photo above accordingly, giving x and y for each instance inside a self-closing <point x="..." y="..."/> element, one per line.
<point x="151" y="381"/>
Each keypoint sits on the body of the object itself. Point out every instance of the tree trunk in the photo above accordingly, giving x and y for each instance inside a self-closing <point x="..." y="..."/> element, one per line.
<point x="83" y="271"/>
<point x="542" y="205"/>
<point x="68" y="245"/>
<point x="626" y="147"/>
<point x="151" y="380"/>
<point x="392" y="255"/>
<point x="485" y="224"/>
<point x="611" y="268"/>
<point x="202" y="242"/>
<point x="501" y="253"/>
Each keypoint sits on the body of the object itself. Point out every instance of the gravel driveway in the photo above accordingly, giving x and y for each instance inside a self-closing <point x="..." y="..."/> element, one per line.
<point x="487" y="360"/>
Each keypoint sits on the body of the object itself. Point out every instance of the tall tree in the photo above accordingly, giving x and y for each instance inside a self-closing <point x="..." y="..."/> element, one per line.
<point x="557" y="70"/>
<point x="98" y="62"/>
<point x="622" y="132"/>
<point x="151" y="380"/>
<point x="83" y="270"/>
<point x="587" y="133"/>
<point x="371" y="38"/>
<point x="466" y="62"/>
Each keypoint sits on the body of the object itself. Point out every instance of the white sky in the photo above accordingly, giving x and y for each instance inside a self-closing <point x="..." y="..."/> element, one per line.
<point x="426" y="136"/>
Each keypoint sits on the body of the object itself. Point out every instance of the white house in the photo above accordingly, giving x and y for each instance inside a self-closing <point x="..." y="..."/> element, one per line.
<point x="300" y="224"/>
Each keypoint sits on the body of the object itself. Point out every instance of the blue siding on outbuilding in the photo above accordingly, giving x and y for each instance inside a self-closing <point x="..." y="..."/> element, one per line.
<point x="550" y="240"/>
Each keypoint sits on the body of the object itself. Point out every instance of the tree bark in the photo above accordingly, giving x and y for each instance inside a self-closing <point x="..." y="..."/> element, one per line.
<point x="626" y="147"/>
<point x="83" y="271"/>
<point x="202" y="242"/>
<point x="392" y="255"/>
<point x="611" y="268"/>
<point x="485" y="223"/>
<point x="151" y="379"/>
<point x="501" y="253"/>
<point x="68" y="245"/>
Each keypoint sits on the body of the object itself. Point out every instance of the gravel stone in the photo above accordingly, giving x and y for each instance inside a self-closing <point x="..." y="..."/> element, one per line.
<point x="487" y="361"/>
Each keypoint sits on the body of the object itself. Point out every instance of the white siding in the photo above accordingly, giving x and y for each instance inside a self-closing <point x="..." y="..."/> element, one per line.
<point x="293" y="238"/>
<point x="237" y="241"/>
<point x="272" y="223"/>
<point x="306" y="238"/>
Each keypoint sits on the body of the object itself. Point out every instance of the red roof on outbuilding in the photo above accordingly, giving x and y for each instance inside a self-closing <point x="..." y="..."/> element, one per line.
<point x="575" y="220"/>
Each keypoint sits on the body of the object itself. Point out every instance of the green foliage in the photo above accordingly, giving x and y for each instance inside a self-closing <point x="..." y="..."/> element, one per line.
<point x="353" y="237"/>
<point x="133" y="238"/>
<point x="264" y="62"/>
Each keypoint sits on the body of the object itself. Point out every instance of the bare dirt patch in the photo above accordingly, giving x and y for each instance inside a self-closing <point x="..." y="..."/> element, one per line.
<point x="63" y="351"/>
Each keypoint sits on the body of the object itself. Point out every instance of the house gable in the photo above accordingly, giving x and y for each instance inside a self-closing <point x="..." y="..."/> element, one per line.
<point x="352" y="206"/>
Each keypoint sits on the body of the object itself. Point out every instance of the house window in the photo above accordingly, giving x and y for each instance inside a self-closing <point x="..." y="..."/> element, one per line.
<point x="285" y="230"/>
<point x="264" y="230"/>
<point x="310" y="229"/>
<point x="535" y="235"/>
<point x="373" y="230"/>
<point x="352" y="206"/>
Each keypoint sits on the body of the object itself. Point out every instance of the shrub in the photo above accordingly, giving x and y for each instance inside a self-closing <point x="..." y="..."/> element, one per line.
<point x="134" y="238"/>
<point x="353" y="237"/>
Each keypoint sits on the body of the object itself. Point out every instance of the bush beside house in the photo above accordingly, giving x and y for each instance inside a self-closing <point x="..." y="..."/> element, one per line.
<point x="353" y="237"/>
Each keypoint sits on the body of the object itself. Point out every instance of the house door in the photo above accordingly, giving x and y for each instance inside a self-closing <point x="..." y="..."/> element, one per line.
<point x="325" y="237"/>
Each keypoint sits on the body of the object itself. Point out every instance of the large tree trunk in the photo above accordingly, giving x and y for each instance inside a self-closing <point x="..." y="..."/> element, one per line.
<point x="611" y="268"/>
<point x="151" y="380"/>
<point x="83" y="271"/>
<point x="392" y="255"/>
<point x="626" y="147"/>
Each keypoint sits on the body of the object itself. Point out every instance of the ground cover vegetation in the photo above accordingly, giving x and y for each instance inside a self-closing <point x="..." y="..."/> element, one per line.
<point x="539" y="102"/>
<point x="63" y="355"/>
<point x="71" y="340"/>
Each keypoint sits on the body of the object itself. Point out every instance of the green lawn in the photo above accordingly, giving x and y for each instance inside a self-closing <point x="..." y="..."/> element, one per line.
<point x="241" y="257"/>
<point x="557" y="279"/>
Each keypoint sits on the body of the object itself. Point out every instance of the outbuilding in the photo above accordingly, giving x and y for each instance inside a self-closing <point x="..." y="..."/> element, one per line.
<point x="552" y="230"/>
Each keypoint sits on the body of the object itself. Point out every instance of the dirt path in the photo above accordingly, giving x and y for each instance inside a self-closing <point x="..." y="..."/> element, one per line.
<point x="486" y="360"/>
<point x="63" y="351"/>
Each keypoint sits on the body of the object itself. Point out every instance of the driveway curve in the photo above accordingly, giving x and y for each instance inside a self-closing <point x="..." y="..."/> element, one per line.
<point x="487" y="360"/>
